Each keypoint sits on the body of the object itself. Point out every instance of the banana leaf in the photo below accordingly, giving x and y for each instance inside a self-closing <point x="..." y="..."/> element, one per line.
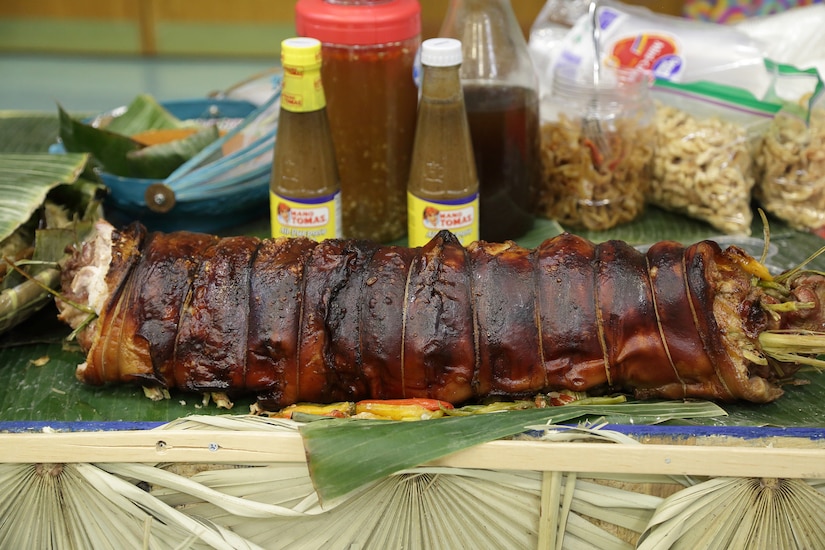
<point x="108" y="140"/>
<point x="159" y="161"/>
<point x="108" y="148"/>
<point x="26" y="179"/>
<point x="346" y="454"/>
<point x="27" y="132"/>
<point x="143" y="113"/>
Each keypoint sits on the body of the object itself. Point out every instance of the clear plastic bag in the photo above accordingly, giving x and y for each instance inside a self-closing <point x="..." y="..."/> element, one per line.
<point x="672" y="48"/>
<point x="707" y="137"/>
<point x="791" y="165"/>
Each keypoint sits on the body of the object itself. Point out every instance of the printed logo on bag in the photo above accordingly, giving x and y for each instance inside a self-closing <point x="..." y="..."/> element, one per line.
<point x="658" y="53"/>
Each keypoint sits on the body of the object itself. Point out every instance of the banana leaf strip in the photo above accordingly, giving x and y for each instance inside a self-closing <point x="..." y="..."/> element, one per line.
<point x="159" y="161"/>
<point x="143" y="113"/>
<point x="346" y="454"/>
<point x="108" y="148"/>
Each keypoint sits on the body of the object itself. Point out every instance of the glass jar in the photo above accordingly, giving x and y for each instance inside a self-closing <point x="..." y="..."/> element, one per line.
<point x="501" y="97"/>
<point x="585" y="185"/>
<point x="369" y="50"/>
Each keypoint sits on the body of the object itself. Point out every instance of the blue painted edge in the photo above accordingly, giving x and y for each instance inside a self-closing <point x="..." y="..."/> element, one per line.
<point x="675" y="432"/>
<point x="742" y="432"/>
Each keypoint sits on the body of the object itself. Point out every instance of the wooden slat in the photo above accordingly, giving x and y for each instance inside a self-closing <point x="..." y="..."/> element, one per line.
<point x="218" y="11"/>
<point x="146" y="22"/>
<point x="213" y="447"/>
<point x="76" y="9"/>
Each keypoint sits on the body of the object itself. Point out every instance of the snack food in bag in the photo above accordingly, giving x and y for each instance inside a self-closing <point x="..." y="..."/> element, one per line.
<point x="703" y="165"/>
<point x="791" y="163"/>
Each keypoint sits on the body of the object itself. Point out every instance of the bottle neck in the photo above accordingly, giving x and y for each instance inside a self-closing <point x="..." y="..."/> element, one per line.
<point x="502" y="6"/>
<point x="493" y="42"/>
<point x="302" y="90"/>
<point x="441" y="84"/>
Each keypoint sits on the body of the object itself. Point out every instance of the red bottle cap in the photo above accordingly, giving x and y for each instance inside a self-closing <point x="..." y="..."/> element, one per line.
<point x="362" y="23"/>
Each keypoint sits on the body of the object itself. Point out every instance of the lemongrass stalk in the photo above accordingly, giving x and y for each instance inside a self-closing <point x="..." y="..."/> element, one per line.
<point x="20" y="301"/>
<point x="789" y="306"/>
<point x="792" y="347"/>
<point x="792" y="272"/>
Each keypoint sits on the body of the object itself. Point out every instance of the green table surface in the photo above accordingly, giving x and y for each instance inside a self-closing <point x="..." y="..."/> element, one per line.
<point x="37" y="364"/>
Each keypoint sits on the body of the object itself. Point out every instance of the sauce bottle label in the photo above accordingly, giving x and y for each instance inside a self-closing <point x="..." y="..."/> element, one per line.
<point x="316" y="219"/>
<point x="427" y="217"/>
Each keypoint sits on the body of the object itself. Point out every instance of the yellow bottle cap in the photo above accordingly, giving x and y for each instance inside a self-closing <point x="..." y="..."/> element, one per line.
<point x="301" y="52"/>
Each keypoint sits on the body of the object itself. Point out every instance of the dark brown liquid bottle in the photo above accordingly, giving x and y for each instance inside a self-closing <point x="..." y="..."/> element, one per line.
<point x="501" y="97"/>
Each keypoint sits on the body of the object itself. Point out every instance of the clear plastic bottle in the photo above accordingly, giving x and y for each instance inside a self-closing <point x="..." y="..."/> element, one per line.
<point x="369" y="49"/>
<point x="305" y="194"/>
<point x="443" y="189"/>
<point x="502" y="102"/>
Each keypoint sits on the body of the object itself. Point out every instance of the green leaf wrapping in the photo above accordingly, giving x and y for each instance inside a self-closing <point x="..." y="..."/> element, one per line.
<point x="26" y="179"/>
<point x="108" y="148"/>
<point x="143" y="113"/>
<point x="344" y="455"/>
<point x="113" y="148"/>
<point x="159" y="161"/>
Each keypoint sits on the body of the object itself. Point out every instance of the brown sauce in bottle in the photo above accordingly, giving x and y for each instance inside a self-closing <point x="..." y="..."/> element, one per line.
<point x="443" y="189"/>
<point x="504" y="125"/>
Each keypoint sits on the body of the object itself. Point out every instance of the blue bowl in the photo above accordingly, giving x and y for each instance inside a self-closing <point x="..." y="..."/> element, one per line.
<point x="209" y="210"/>
<point x="211" y="213"/>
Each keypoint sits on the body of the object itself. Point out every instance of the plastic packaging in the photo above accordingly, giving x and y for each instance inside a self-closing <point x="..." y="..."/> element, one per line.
<point x="707" y="136"/>
<point x="305" y="195"/>
<point x="369" y="49"/>
<point x="790" y="181"/>
<point x="792" y="161"/>
<point x="547" y="34"/>
<point x="579" y="187"/>
<point x="803" y="48"/>
<point x="443" y="187"/>
<point x="501" y="98"/>
<point x="673" y="48"/>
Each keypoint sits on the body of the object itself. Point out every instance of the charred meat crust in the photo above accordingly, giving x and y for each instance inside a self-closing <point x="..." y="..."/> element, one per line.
<point x="294" y="320"/>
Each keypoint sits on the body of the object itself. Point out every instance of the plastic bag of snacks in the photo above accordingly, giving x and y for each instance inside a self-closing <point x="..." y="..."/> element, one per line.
<point x="578" y="192"/>
<point x="791" y="160"/>
<point x="707" y="136"/>
<point x="672" y="48"/>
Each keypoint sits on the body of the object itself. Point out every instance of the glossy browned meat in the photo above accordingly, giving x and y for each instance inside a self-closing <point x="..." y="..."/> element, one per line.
<point x="293" y="320"/>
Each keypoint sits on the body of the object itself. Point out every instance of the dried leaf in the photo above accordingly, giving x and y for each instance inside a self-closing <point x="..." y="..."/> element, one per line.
<point x="40" y="361"/>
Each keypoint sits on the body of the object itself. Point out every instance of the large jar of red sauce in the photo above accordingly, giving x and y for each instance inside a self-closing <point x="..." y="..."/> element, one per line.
<point x="368" y="50"/>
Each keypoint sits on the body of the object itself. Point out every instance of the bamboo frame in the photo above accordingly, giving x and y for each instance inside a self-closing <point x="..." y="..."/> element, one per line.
<point x="222" y="447"/>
